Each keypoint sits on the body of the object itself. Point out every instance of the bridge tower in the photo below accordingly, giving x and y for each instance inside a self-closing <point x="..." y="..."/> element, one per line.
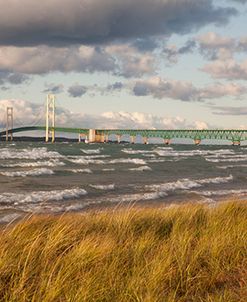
<point x="9" y="123"/>
<point x="50" y="118"/>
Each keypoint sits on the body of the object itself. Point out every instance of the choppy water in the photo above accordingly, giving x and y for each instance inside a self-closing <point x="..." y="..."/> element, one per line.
<point x="44" y="178"/>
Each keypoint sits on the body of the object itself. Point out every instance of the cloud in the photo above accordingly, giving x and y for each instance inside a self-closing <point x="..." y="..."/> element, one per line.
<point x="160" y="88"/>
<point x="220" y="110"/>
<point x="172" y="53"/>
<point x="53" y="88"/>
<point x="44" y="59"/>
<point x="62" y="22"/>
<point x="227" y="69"/>
<point x="12" y="78"/>
<point x="77" y="91"/>
<point x="184" y="91"/>
<point x="214" y="46"/>
<point x="118" y="59"/>
<point x="30" y="114"/>
<point x="115" y="86"/>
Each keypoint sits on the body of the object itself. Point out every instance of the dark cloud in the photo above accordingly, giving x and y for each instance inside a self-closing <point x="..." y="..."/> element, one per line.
<point x="62" y="22"/>
<point x="53" y="88"/>
<point x="144" y="45"/>
<point x="12" y="78"/>
<point x="115" y="86"/>
<point x="240" y="1"/>
<point x="220" y="110"/>
<point x="77" y="91"/>
<point x="172" y="53"/>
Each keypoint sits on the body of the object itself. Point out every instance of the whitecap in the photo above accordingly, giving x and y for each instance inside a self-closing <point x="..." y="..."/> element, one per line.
<point x="91" y="151"/>
<point x="82" y="171"/>
<point x="51" y="163"/>
<point x="29" y="153"/>
<point x="142" y="168"/>
<point x="103" y="187"/>
<point x="41" y="196"/>
<point x="34" y="172"/>
<point x="136" y="161"/>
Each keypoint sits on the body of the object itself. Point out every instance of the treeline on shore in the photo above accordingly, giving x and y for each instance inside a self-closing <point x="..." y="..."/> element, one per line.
<point x="182" y="253"/>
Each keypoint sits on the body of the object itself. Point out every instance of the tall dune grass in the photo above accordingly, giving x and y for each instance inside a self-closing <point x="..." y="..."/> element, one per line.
<point x="190" y="253"/>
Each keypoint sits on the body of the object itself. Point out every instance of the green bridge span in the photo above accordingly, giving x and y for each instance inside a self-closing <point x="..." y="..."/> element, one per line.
<point x="234" y="136"/>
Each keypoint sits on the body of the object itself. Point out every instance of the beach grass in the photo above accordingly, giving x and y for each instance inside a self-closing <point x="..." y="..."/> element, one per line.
<point x="189" y="253"/>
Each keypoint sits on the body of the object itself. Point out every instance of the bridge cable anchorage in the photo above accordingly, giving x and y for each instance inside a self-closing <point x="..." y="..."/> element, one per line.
<point x="50" y="118"/>
<point x="9" y="123"/>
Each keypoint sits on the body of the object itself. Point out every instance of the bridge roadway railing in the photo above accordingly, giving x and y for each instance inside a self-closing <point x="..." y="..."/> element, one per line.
<point x="231" y="134"/>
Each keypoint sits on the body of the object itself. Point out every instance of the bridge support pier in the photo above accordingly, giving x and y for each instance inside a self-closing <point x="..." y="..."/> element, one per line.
<point x="197" y="141"/>
<point x="236" y="143"/>
<point x="119" y="139"/>
<point x="132" y="139"/>
<point x="145" y="140"/>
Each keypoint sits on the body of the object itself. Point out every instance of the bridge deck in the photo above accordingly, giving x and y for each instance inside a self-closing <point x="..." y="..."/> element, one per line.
<point x="218" y="134"/>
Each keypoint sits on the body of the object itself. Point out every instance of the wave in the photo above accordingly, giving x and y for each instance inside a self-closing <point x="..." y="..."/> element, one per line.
<point x="85" y="161"/>
<point x="190" y="153"/>
<point x="142" y="168"/>
<point x="186" y="184"/>
<point x="51" y="163"/>
<point x="91" y="151"/>
<point x="229" y="159"/>
<point x="131" y="151"/>
<point x="41" y="196"/>
<point x="82" y="171"/>
<point x="223" y="192"/>
<point x="232" y="166"/>
<point x="9" y="218"/>
<point x="108" y="170"/>
<point x="103" y="187"/>
<point x="136" y="161"/>
<point x="34" y="172"/>
<point x="29" y="153"/>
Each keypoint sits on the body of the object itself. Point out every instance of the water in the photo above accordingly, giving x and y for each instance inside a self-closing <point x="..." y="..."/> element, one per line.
<point x="64" y="177"/>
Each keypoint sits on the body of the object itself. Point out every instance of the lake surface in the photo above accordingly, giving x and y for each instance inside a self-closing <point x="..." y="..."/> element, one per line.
<point x="64" y="177"/>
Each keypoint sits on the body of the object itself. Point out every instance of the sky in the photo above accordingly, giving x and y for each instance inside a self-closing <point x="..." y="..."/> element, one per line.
<point x="154" y="64"/>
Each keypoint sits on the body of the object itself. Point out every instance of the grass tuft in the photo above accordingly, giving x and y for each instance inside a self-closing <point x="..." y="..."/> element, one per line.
<point x="190" y="253"/>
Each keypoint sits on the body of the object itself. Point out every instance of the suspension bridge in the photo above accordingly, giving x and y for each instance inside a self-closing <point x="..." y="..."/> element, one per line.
<point x="235" y="137"/>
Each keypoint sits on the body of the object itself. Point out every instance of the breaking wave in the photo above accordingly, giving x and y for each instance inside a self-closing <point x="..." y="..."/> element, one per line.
<point x="34" y="172"/>
<point x="29" y="153"/>
<point x="41" y="196"/>
<point x="51" y="163"/>
<point x="103" y="187"/>
<point x="142" y="168"/>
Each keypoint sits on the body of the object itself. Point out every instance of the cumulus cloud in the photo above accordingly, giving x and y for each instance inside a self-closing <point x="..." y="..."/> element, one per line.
<point x="61" y="22"/>
<point x="31" y="114"/>
<point x="77" y="91"/>
<point x="214" y="46"/>
<point x="185" y="91"/>
<point x="160" y="88"/>
<point x="118" y="59"/>
<point x="131" y="62"/>
<point x="227" y="69"/>
<point x="44" y="59"/>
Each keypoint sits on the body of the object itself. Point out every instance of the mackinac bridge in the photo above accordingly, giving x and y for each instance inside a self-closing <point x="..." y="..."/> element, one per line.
<point x="233" y="136"/>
